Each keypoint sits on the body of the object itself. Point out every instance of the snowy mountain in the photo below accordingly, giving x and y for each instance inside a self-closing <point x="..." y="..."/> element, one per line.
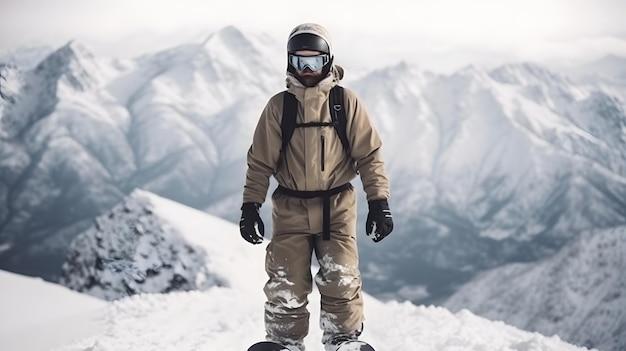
<point x="577" y="293"/>
<point x="82" y="132"/>
<point x="506" y="165"/>
<point x="129" y="251"/>
<point x="225" y="317"/>
<point x="487" y="167"/>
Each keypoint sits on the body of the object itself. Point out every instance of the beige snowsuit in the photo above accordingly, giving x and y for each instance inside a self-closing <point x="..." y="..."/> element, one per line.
<point x="314" y="160"/>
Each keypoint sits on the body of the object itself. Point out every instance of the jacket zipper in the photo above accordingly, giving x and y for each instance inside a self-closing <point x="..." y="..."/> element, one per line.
<point x="323" y="151"/>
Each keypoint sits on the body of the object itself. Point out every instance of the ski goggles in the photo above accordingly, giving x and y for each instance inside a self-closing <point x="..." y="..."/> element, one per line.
<point x="314" y="63"/>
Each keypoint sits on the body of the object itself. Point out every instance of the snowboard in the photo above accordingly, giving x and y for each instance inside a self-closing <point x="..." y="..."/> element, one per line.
<point x="355" y="346"/>
<point x="347" y="346"/>
<point x="267" y="346"/>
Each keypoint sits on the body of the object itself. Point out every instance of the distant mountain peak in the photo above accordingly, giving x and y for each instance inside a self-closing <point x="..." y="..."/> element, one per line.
<point x="400" y="72"/>
<point x="75" y="63"/>
<point x="76" y="48"/>
<point x="71" y="51"/>
<point x="524" y="73"/>
<point x="236" y="51"/>
<point x="228" y="37"/>
<point x="227" y="33"/>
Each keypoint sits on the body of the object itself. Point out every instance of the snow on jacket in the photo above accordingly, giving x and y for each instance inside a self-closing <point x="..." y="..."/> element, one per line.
<point x="315" y="158"/>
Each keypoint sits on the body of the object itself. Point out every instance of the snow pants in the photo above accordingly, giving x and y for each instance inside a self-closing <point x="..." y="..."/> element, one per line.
<point x="297" y="235"/>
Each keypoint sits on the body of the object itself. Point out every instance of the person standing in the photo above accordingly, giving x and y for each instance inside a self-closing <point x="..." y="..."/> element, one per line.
<point x="314" y="206"/>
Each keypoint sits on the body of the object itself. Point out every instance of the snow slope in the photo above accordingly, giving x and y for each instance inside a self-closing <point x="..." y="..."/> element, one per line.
<point x="37" y="315"/>
<point x="230" y="318"/>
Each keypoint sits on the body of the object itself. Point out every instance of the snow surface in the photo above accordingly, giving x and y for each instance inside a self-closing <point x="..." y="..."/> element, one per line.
<point x="37" y="315"/>
<point x="225" y="318"/>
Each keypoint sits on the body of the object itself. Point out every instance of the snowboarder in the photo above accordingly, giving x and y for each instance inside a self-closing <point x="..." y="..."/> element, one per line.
<point x="314" y="205"/>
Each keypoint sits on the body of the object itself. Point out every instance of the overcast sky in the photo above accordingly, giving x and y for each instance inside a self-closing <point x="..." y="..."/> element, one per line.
<point x="437" y="34"/>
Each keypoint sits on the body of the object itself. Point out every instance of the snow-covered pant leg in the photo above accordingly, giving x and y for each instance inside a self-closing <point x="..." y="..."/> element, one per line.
<point x="339" y="278"/>
<point x="339" y="283"/>
<point x="288" y="265"/>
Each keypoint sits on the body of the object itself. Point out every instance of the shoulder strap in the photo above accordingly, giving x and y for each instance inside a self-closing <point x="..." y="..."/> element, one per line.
<point x="338" y="114"/>
<point x="288" y="122"/>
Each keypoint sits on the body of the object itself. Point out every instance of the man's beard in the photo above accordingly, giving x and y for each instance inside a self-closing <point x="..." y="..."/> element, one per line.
<point x="309" y="80"/>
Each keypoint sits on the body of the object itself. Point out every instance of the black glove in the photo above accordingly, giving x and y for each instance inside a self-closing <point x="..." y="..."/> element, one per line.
<point x="379" y="216"/>
<point x="250" y="222"/>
